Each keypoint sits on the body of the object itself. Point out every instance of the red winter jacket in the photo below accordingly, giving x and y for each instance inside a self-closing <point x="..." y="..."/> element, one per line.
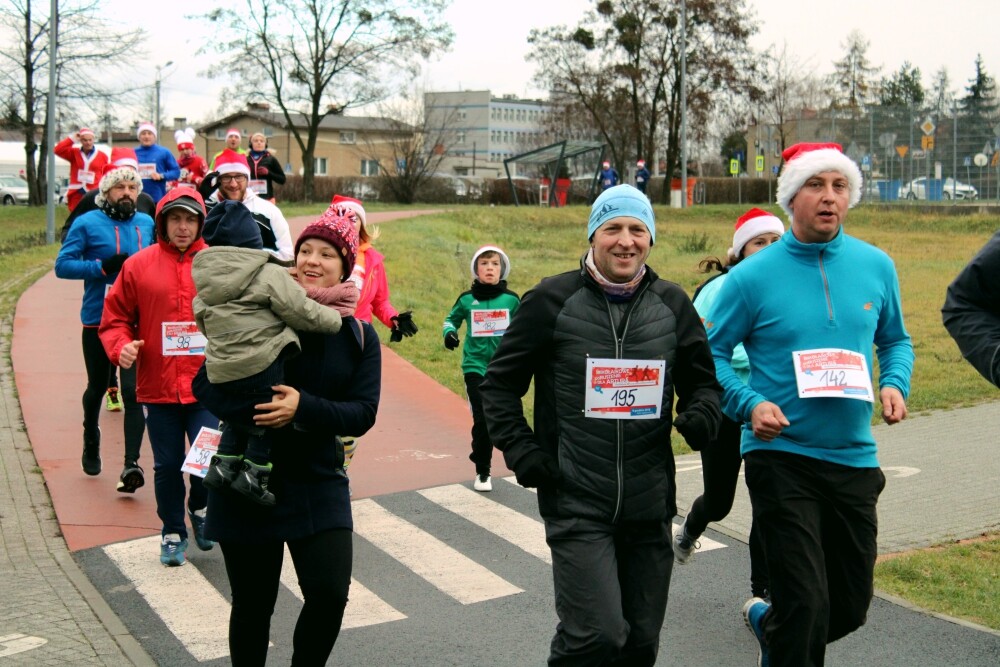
<point x="154" y="286"/>
<point x="374" y="297"/>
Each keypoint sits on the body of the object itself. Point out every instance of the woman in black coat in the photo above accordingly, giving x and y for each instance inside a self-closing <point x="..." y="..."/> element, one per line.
<point x="331" y="389"/>
<point x="265" y="170"/>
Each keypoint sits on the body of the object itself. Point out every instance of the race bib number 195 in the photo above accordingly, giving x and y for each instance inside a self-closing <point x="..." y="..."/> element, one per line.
<point x="624" y="388"/>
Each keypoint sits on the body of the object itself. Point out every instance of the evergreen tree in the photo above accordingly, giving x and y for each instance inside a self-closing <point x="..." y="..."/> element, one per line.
<point x="979" y="105"/>
<point x="854" y="76"/>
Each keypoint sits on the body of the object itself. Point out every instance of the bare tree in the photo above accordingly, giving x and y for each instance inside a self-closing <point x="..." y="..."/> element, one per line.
<point x="322" y="57"/>
<point x="854" y="76"/>
<point x="410" y="152"/>
<point x="83" y="39"/>
<point x="621" y="67"/>
<point x="782" y="100"/>
<point x="941" y="96"/>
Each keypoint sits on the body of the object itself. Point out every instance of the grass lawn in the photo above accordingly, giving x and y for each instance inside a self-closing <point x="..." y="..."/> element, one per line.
<point x="427" y="261"/>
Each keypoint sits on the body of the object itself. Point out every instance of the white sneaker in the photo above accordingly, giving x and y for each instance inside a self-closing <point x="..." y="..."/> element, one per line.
<point x="683" y="544"/>
<point x="482" y="483"/>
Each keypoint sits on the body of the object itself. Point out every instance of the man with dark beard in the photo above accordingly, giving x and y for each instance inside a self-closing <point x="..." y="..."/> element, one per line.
<point x="94" y="251"/>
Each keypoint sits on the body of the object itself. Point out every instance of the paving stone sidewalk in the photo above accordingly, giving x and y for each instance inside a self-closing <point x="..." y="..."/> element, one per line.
<point x="50" y="613"/>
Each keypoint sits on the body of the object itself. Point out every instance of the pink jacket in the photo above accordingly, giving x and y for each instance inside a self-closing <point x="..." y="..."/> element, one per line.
<point x="374" y="296"/>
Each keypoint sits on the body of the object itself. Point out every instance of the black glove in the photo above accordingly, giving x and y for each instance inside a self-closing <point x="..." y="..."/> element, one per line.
<point x="451" y="340"/>
<point x="698" y="430"/>
<point x="209" y="184"/>
<point x="402" y="325"/>
<point x="537" y="469"/>
<point x="113" y="264"/>
<point x="261" y="171"/>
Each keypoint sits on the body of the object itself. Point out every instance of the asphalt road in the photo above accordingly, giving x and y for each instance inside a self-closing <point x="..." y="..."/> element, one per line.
<point x="462" y="594"/>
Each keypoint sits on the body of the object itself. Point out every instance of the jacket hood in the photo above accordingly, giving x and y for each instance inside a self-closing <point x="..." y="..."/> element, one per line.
<point x="222" y="273"/>
<point x="180" y="197"/>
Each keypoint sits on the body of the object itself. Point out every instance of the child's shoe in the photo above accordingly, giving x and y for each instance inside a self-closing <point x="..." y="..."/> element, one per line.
<point x="252" y="483"/>
<point x="223" y="470"/>
<point x="483" y="483"/>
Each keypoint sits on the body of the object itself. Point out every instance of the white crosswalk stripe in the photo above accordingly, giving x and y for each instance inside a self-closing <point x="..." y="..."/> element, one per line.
<point x="363" y="607"/>
<point x="169" y="591"/>
<point x="448" y="570"/>
<point x="202" y="628"/>
<point x="520" y="530"/>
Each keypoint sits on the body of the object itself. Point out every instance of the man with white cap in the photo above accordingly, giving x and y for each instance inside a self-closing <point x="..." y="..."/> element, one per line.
<point x="232" y="178"/>
<point x="94" y="251"/>
<point x="86" y="164"/>
<point x="608" y="345"/>
<point x="808" y="312"/>
<point x="233" y="139"/>
<point x="157" y="165"/>
<point x="120" y="157"/>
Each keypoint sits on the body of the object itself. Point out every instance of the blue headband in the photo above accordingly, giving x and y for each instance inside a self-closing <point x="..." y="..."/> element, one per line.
<point x="622" y="201"/>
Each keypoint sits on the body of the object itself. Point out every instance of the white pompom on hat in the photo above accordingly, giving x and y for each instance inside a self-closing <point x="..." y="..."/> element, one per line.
<point x="146" y="125"/>
<point x="504" y="261"/>
<point x="231" y="162"/>
<point x="752" y="224"/>
<point x="803" y="161"/>
<point x="184" y="139"/>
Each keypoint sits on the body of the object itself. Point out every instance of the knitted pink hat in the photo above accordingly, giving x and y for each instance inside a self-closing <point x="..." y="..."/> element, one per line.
<point x="338" y="231"/>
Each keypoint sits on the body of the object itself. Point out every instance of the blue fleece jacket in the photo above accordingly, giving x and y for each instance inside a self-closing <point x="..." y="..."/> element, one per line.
<point x="166" y="165"/>
<point x="93" y="238"/>
<point x="796" y="296"/>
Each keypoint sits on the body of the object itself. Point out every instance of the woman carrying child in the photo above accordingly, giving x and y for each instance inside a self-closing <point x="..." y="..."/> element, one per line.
<point x="331" y="387"/>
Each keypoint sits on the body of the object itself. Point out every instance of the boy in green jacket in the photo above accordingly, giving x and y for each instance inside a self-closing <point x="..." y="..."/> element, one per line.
<point x="486" y="309"/>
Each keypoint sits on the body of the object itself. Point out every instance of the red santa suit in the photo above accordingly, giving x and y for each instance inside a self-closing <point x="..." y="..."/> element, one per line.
<point x="84" y="170"/>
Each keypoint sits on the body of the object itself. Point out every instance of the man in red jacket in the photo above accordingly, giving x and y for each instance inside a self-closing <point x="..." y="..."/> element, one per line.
<point x="155" y="289"/>
<point x="86" y="164"/>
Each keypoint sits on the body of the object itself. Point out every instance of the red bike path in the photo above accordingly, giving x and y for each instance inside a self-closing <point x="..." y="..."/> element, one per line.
<point x="420" y="439"/>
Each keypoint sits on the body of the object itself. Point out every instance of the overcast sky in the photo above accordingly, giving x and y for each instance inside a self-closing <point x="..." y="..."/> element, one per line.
<point x="491" y="41"/>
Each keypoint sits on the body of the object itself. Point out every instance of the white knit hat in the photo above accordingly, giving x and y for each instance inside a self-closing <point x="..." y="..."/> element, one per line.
<point x="803" y="161"/>
<point x="504" y="261"/>
<point x="752" y="224"/>
<point x="146" y="125"/>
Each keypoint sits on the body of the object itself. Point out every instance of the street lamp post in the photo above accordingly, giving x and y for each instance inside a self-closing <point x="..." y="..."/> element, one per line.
<point x="156" y="111"/>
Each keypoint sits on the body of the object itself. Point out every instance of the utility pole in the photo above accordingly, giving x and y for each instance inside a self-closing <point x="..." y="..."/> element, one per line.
<point x="684" y="157"/>
<point x="156" y="111"/>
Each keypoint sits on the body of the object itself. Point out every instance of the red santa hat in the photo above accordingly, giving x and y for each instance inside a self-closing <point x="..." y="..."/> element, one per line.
<point x="606" y="164"/>
<point x="85" y="130"/>
<point x="640" y="164"/>
<point x="146" y="125"/>
<point x="803" y="161"/>
<point x="184" y="139"/>
<point x="752" y="224"/>
<point x="349" y="205"/>
<point x="123" y="157"/>
<point x="231" y="162"/>
<point x="233" y="132"/>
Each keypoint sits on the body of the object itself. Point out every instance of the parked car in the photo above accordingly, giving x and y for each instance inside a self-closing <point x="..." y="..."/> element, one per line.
<point x="13" y="190"/>
<point x="917" y="189"/>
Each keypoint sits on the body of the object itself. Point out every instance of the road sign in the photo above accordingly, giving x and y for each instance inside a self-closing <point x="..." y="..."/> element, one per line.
<point x="734" y="167"/>
<point x="980" y="160"/>
<point x="774" y="170"/>
<point x="886" y="139"/>
<point x="928" y="126"/>
<point x="996" y="130"/>
<point x="760" y="163"/>
<point x="967" y="161"/>
<point x="927" y="142"/>
<point x="917" y="154"/>
<point x="988" y="148"/>
<point x="902" y="149"/>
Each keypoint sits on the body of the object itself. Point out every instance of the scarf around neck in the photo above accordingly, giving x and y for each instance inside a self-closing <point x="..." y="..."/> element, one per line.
<point x="483" y="292"/>
<point x="614" y="291"/>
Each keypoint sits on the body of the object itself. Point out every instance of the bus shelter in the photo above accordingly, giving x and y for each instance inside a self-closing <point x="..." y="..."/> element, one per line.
<point x="551" y="160"/>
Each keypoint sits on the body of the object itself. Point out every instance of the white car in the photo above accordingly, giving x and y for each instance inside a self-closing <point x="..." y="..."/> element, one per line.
<point x="917" y="189"/>
<point x="13" y="190"/>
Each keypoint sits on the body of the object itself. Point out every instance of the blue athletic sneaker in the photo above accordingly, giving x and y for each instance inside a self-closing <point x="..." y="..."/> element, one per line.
<point x="172" y="549"/>
<point x="753" y="615"/>
<point x="198" y="527"/>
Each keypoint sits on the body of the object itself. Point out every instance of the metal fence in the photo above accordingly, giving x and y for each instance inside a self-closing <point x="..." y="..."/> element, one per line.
<point x="906" y="153"/>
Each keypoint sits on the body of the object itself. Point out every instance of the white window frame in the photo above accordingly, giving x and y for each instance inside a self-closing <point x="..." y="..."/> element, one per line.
<point x="348" y="137"/>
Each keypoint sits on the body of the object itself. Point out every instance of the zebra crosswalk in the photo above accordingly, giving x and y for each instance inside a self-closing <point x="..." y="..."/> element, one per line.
<point x="452" y="545"/>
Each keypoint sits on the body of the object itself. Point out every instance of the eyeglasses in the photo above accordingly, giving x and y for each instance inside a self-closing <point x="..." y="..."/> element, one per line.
<point x="229" y="178"/>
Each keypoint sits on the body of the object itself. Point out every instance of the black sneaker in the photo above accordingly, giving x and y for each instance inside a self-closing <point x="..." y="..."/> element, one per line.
<point x="91" y="458"/>
<point x="223" y="470"/>
<point x="252" y="483"/>
<point x="131" y="478"/>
